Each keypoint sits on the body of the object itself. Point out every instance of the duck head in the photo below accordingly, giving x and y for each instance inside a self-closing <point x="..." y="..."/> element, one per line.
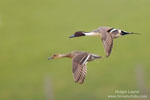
<point x="78" y="34"/>
<point x="55" y="56"/>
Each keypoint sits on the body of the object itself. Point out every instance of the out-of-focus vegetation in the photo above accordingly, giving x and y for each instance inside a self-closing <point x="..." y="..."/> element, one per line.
<point x="33" y="30"/>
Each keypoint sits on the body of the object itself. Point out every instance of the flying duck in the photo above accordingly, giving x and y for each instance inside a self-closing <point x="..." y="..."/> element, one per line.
<point x="107" y="35"/>
<point x="79" y="63"/>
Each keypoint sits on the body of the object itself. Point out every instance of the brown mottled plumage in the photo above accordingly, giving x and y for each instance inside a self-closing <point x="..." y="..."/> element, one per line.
<point x="79" y="63"/>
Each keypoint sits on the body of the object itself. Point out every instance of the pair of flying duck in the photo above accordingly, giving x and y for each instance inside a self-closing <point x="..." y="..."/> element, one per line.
<point x="80" y="58"/>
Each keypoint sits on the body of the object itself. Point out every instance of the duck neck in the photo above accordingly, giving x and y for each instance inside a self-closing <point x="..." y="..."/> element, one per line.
<point x="91" y="34"/>
<point x="69" y="55"/>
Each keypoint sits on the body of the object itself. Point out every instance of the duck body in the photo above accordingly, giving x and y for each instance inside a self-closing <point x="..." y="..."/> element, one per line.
<point x="79" y="63"/>
<point x="107" y="34"/>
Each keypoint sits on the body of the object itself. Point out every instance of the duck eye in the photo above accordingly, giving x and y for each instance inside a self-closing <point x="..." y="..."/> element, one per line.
<point x="54" y="55"/>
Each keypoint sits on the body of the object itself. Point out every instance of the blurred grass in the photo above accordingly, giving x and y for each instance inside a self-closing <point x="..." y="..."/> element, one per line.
<point x="30" y="31"/>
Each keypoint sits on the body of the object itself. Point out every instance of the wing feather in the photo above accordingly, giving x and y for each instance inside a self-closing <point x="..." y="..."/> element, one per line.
<point x="84" y="72"/>
<point x="79" y="67"/>
<point x="107" y="42"/>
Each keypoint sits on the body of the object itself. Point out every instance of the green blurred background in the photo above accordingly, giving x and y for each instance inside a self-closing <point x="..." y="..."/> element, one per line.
<point x="33" y="30"/>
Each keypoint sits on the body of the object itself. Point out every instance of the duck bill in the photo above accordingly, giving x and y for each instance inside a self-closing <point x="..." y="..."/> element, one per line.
<point x="49" y="58"/>
<point x="72" y="36"/>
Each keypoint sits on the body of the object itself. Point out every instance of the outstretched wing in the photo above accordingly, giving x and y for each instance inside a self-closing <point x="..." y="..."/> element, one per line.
<point x="107" y="42"/>
<point x="79" y="68"/>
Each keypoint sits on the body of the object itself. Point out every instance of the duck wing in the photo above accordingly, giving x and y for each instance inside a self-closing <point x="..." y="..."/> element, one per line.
<point x="79" y="68"/>
<point x="107" y="42"/>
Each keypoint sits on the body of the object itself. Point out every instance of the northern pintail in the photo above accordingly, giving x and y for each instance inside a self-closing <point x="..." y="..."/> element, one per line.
<point x="107" y="35"/>
<point x="79" y="63"/>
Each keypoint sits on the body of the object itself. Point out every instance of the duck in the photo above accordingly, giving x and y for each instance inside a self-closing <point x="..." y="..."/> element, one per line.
<point x="107" y="34"/>
<point x="79" y="63"/>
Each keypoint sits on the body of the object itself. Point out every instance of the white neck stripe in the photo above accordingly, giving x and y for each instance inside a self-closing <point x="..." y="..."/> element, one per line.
<point x="91" y="34"/>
